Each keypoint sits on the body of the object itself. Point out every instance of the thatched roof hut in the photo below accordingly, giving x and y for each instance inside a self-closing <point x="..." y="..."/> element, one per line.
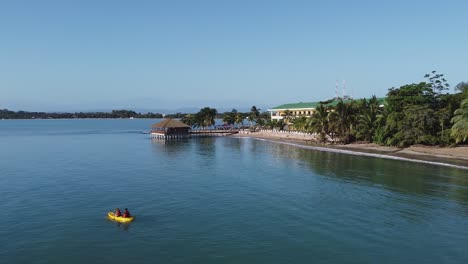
<point x="170" y="126"/>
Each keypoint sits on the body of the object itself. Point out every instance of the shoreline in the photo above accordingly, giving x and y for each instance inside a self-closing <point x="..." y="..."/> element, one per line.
<point x="456" y="157"/>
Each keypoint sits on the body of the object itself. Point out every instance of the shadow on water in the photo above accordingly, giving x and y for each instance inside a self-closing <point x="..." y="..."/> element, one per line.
<point x="122" y="226"/>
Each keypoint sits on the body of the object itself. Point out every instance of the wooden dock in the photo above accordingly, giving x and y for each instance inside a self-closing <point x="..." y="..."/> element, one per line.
<point x="195" y="133"/>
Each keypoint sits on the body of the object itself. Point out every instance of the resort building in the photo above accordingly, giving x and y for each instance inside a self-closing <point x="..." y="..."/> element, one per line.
<point x="170" y="128"/>
<point x="295" y="109"/>
<point x="306" y="109"/>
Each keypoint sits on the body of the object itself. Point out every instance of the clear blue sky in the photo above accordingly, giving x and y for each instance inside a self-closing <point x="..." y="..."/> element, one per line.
<point x="79" y="55"/>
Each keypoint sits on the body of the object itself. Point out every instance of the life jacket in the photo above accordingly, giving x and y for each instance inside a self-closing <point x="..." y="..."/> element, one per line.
<point x="126" y="214"/>
<point x="118" y="213"/>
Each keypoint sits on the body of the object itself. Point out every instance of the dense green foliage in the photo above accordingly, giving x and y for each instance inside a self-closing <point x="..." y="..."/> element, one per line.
<point x="421" y="113"/>
<point x="319" y="123"/>
<point x="460" y="123"/>
<point x="204" y="118"/>
<point x="418" y="113"/>
<point x="7" y="114"/>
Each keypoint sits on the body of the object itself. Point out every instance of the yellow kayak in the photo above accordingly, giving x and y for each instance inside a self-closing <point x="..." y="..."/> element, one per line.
<point x="120" y="219"/>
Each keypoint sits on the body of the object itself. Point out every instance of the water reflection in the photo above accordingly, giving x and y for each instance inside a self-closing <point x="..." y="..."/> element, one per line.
<point x="205" y="148"/>
<point x="233" y="144"/>
<point x="119" y="225"/>
<point x="123" y="226"/>
<point x="403" y="177"/>
<point x="172" y="148"/>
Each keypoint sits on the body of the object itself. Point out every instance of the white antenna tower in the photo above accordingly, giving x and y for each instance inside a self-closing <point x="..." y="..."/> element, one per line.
<point x="336" y="89"/>
<point x="344" y="88"/>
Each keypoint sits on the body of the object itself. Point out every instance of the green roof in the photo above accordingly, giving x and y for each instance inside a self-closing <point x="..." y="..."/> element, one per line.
<point x="302" y="105"/>
<point x="297" y="105"/>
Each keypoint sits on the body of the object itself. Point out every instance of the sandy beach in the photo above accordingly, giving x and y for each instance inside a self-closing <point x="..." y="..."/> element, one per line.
<point x="456" y="156"/>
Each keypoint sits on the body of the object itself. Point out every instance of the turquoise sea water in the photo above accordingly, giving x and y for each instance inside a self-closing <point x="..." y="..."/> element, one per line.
<point x="217" y="200"/>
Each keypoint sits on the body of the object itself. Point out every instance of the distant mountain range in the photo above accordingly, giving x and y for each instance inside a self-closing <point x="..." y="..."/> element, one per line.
<point x="140" y="105"/>
<point x="162" y="110"/>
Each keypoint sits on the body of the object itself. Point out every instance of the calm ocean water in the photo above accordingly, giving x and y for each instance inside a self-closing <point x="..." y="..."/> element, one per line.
<point x="217" y="200"/>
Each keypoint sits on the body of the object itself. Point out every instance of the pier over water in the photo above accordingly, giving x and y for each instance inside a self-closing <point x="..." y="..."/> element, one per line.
<point x="174" y="129"/>
<point x="196" y="133"/>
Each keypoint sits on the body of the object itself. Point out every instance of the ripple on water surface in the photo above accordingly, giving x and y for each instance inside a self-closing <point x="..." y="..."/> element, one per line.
<point x="218" y="200"/>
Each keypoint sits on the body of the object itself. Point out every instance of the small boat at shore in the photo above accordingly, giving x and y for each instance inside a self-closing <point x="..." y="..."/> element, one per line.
<point x="120" y="219"/>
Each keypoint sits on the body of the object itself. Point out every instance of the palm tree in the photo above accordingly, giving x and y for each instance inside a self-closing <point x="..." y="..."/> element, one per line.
<point x="261" y="122"/>
<point x="287" y="116"/>
<point x="367" y="120"/>
<point x="279" y="124"/>
<point x="263" y="119"/>
<point x="206" y="117"/>
<point x="300" y="123"/>
<point x="462" y="87"/>
<point x="460" y="123"/>
<point x="239" y="119"/>
<point x="269" y="124"/>
<point x="342" y="119"/>
<point x="229" y="118"/>
<point x="189" y="119"/>
<point x="318" y="123"/>
<point x="365" y="127"/>
<point x="254" y="114"/>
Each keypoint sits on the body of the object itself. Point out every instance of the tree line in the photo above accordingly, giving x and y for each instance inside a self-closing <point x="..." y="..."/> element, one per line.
<point x="7" y="114"/>
<point x="206" y="118"/>
<point x="418" y="113"/>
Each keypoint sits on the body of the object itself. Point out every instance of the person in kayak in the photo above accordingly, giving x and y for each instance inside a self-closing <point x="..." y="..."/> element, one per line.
<point x="117" y="212"/>
<point x="126" y="213"/>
